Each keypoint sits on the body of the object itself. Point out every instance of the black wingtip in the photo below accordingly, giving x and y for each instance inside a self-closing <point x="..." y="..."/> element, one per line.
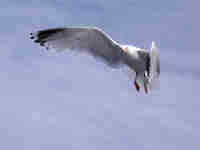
<point x="32" y="36"/>
<point x="37" y="41"/>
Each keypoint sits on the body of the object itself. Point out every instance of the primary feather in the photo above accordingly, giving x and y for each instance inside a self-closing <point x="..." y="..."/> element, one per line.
<point x="90" y="40"/>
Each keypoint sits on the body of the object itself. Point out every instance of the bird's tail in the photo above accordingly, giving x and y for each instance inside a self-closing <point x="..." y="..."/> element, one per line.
<point x="154" y="68"/>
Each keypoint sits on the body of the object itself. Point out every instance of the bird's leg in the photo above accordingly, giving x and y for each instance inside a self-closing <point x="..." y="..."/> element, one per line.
<point x="145" y="88"/>
<point x="137" y="86"/>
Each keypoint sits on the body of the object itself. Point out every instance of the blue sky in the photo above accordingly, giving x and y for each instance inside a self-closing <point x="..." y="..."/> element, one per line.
<point x="69" y="101"/>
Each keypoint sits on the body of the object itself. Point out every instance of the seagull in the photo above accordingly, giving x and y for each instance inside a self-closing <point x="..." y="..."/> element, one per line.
<point x="94" y="41"/>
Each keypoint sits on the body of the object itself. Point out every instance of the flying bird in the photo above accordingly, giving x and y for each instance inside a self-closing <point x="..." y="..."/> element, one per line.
<point x="92" y="40"/>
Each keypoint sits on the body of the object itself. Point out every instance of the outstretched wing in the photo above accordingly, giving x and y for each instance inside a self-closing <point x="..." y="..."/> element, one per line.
<point x="91" y="40"/>
<point x="154" y="67"/>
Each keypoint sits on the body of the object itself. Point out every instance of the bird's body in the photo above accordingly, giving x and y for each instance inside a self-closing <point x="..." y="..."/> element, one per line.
<point x="135" y="58"/>
<point x="94" y="41"/>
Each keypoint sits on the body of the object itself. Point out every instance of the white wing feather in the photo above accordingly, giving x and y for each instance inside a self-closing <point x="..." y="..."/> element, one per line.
<point x="154" y="67"/>
<point x="90" y="40"/>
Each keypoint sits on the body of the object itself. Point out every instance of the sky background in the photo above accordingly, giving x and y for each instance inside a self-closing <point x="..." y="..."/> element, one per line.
<point x="69" y="101"/>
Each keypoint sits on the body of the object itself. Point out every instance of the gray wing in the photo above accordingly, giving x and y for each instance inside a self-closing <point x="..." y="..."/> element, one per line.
<point x="154" y="67"/>
<point x="155" y="60"/>
<point x="90" y="40"/>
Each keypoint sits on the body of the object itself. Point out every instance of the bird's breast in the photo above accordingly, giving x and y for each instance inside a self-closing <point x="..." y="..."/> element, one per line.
<point x="134" y="61"/>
